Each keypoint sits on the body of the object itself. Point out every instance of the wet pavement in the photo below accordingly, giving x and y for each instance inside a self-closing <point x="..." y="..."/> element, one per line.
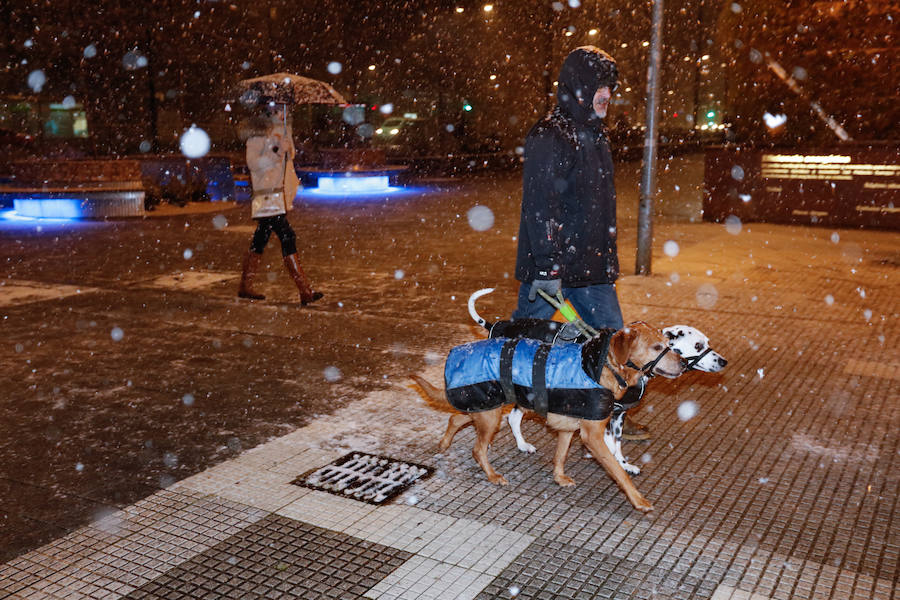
<point x="152" y="422"/>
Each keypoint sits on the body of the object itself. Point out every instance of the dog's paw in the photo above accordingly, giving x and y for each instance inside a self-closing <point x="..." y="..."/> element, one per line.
<point x="498" y="479"/>
<point x="631" y="469"/>
<point x="639" y="502"/>
<point x="526" y="447"/>
<point x="564" y="480"/>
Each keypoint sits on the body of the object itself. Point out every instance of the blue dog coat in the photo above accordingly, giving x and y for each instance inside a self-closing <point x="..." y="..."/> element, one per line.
<point x="554" y="377"/>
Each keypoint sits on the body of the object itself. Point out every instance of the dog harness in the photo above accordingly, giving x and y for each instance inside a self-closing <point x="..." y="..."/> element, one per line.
<point x="559" y="378"/>
<point x="692" y="362"/>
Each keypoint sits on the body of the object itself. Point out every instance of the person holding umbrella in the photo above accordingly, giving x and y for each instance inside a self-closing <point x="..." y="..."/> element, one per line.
<point x="270" y="158"/>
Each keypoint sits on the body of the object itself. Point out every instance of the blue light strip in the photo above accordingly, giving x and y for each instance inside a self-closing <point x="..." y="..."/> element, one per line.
<point x="11" y="217"/>
<point x="351" y="184"/>
<point x="48" y="208"/>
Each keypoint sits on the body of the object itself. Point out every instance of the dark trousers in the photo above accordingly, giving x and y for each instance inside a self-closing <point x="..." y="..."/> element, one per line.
<point x="279" y="224"/>
<point x="597" y="304"/>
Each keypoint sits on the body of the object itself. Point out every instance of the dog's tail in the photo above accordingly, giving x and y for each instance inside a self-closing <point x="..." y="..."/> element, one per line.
<point x="436" y="396"/>
<point x="475" y="296"/>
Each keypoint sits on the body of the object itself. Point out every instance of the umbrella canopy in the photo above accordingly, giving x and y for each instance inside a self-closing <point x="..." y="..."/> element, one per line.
<point x="286" y="88"/>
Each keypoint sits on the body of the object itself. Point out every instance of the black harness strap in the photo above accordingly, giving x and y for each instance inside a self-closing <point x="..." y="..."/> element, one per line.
<point x="506" y="363"/>
<point x="619" y="379"/>
<point x="647" y="370"/>
<point x="632" y="396"/>
<point x="692" y="362"/>
<point x="539" y="380"/>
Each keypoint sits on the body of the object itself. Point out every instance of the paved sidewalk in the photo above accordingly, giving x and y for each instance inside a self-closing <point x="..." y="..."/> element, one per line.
<point x="783" y="485"/>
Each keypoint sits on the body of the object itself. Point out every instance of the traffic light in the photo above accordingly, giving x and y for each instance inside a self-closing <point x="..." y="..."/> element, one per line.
<point x="467" y="107"/>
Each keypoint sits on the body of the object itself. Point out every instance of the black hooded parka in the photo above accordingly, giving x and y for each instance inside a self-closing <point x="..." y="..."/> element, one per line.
<point x="568" y="221"/>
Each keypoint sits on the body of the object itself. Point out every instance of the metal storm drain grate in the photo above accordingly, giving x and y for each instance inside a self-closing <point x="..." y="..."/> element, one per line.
<point x="373" y="479"/>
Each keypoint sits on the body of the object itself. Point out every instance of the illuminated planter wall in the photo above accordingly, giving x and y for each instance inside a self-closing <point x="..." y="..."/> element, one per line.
<point x="342" y="184"/>
<point x="122" y="204"/>
<point x="852" y="186"/>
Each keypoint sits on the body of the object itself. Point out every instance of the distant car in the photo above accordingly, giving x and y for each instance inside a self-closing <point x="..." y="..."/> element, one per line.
<point x="391" y="128"/>
<point x="406" y="137"/>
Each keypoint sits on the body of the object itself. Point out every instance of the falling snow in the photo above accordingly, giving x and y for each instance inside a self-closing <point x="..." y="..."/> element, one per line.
<point x="687" y="410"/>
<point x="220" y="222"/>
<point x="36" y="80"/>
<point x="332" y="374"/>
<point x="733" y="225"/>
<point x="194" y="142"/>
<point x="480" y="218"/>
<point x="670" y="248"/>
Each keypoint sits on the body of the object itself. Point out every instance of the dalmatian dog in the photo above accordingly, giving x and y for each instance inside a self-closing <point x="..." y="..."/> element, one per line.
<point x="686" y="341"/>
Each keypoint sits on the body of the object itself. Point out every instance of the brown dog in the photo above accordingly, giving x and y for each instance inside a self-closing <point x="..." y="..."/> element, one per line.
<point x="637" y="344"/>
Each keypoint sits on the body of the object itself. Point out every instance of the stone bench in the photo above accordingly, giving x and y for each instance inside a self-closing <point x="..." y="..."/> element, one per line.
<point x="75" y="188"/>
<point x="113" y="187"/>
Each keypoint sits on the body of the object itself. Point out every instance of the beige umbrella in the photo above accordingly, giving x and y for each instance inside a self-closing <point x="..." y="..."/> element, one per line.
<point x="286" y="88"/>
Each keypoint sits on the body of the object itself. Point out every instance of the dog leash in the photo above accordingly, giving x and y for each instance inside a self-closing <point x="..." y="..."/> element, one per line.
<point x="572" y="317"/>
<point x="568" y="313"/>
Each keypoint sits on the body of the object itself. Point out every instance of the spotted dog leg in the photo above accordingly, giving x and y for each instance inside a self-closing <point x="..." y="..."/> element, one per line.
<point x="515" y="424"/>
<point x="613" y="438"/>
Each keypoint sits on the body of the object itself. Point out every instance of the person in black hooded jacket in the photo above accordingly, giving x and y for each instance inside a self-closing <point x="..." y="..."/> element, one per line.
<point x="567" y="231"/>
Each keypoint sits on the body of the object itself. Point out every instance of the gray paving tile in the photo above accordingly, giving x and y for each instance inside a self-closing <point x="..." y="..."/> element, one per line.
<point x="279" y="557"/>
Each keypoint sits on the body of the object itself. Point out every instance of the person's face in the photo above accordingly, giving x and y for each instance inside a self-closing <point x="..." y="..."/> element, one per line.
<point x="601" y="101"/>
<point x="276" y="113"/>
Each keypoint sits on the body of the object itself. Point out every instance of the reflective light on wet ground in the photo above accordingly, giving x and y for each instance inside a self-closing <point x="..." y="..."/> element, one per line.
<point x="12" y="216"/>
<point x="359" y="195"/>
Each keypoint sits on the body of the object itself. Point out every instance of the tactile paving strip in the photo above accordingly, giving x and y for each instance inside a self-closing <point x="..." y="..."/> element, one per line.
<point x="278" y="557"/>
<point x="365" y="477"/>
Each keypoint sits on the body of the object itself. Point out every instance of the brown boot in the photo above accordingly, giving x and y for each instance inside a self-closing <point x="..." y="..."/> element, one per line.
<point x="307" y="294"/>
<point x="632" y="430"/>
<point x="251" y="266"/>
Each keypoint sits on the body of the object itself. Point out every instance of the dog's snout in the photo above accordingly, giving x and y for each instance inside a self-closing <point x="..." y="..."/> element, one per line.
<point x="722" y="362"/>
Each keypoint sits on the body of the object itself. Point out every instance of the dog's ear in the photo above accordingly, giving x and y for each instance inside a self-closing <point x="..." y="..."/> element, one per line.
<point x="620" y="345"/>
